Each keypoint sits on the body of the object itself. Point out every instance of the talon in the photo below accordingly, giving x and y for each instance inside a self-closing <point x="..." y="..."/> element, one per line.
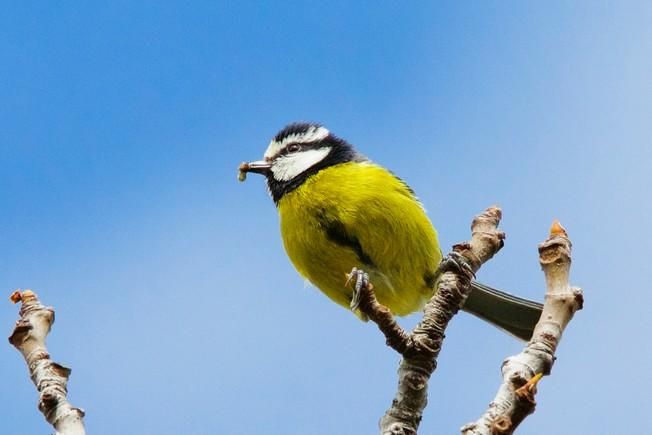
<point x="361" y="281"/>
<point x="350" y="276"/>
<point x="455" y="262"/>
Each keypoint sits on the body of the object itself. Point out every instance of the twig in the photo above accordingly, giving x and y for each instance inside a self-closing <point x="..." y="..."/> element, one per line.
<point x="49" y="377"/>
<point x="397" y="338"/>
<point x="421" y="347"/>
<point x="515" y="397"/>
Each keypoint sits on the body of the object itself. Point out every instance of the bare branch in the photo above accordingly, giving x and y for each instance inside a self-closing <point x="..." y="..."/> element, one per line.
<point x="521" y="373"/>
<point x="422" y="346"/>
<point x="49" y="377"/>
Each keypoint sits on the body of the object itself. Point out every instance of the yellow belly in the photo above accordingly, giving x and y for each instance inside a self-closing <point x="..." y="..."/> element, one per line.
<point x="397" y="244"/>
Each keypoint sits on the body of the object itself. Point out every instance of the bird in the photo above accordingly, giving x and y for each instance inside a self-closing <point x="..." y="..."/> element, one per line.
<point x="340" y="211"/>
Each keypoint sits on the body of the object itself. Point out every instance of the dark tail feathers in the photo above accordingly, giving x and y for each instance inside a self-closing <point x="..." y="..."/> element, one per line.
<point x="512" y="314"/>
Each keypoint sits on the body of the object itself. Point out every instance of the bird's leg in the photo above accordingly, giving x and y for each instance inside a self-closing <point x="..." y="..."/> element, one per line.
<point x="361" y="284"/>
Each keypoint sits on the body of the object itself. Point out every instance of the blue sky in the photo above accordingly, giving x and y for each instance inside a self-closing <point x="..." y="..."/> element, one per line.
<point x="121" y="127"/>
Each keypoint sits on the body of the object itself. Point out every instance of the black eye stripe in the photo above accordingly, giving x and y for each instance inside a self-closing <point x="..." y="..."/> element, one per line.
<point x="302" y="147"/>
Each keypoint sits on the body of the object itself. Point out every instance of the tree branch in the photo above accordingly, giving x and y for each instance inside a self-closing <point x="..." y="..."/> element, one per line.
<point x="396" y="337"/>
<point x="49" y="377"/>
<point x="421" y="347"/>
<point x="515" y="397"/>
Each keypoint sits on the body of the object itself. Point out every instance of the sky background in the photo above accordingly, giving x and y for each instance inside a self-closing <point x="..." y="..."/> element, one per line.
<point x="121" y="128"/>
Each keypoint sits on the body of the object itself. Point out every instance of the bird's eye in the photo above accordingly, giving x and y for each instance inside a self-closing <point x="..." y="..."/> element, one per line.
<point x="293" y="148"/>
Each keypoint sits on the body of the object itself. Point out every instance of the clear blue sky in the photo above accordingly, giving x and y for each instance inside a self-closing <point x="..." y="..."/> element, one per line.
<point x="121" y="127"/>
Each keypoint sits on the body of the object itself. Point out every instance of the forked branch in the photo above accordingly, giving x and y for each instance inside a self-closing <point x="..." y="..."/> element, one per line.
<point x="421" y="347"/>
<point x="521" y="373"/>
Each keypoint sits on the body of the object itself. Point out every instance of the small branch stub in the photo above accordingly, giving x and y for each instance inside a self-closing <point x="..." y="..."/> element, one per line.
<point x="515" y="400"/>
<point x="49" y="377"/>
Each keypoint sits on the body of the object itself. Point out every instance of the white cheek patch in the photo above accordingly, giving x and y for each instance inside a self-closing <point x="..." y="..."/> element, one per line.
<point x="287" y="167"/>
<point x="311" y="135"/>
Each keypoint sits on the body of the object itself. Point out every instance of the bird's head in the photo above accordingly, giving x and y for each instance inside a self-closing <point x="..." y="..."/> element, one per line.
<point x="297" y="152"/>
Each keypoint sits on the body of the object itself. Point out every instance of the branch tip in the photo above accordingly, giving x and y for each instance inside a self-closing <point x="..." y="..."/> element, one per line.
<point x="494" y="214"/>
<point x="495" y="210"/>
<point x="556" y="229"/>
<point x="16" y="297"/>
<point x="22" y="296"/>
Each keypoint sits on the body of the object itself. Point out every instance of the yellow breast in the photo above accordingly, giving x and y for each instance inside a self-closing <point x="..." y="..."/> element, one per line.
<point x="360" y="215"/>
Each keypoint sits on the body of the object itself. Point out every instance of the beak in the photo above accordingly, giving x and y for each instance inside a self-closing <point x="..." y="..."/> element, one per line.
<point x="258" y="167"/>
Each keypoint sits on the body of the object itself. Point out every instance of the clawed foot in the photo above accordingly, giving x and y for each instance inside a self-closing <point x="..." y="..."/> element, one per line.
<point x="457" y="263"/>
<point x="361" y="282"/>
